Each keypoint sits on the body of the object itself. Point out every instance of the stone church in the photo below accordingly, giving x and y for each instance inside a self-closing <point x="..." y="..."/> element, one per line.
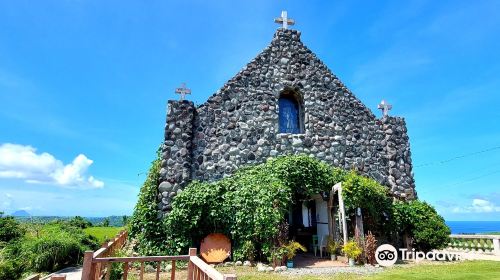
<point x="285" y="101"/>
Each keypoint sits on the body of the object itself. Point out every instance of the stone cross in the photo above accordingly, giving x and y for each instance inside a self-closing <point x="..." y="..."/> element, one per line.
<point x="182" y="91"/>
<point x="385" y="107"/>
<point x="284" y="20"/>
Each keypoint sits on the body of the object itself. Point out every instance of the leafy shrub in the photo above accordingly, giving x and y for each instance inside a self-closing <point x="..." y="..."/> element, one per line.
<point x="421" y="221"/>
<point x="145" y="223"/>
<point x="291" y="249"/>
<point x="246" y="251"/>
<point x="10" y="229"/>
<point x="58" y="246"/>
<point x="332" y="246"/>
<point x="351" y="249"/>
<point x="116" y="272"/>
<point x="10" y="270"/>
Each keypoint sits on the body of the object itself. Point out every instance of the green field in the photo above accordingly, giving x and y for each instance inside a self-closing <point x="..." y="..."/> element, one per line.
<point x="487" y="270"/>
<point x="103" y="233"/>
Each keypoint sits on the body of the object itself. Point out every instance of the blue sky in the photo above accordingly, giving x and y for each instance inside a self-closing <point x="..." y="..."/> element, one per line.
<point x="84" y="86"/>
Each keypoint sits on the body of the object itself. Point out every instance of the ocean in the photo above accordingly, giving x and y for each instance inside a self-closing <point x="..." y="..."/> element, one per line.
<point x="458" y="227"/>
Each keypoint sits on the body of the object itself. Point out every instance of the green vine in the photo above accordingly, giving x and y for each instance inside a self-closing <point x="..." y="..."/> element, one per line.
<point x="145" y="225"/>
<point x="250" y="205"/>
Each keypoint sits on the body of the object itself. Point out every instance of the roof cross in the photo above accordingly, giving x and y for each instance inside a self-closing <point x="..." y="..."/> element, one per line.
<point x="182" y="91"/>
<point x="284" y="20"/>
<point x="385" y="107"/>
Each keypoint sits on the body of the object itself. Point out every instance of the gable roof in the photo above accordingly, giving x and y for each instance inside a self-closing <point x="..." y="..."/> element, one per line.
<point x="299" y="68"/>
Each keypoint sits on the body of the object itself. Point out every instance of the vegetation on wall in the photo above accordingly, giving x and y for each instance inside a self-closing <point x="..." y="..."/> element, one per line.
<point x="145" y="224"/>
<point x="250" y="206"/>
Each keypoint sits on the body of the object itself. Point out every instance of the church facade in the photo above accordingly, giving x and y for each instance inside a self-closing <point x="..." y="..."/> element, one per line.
<point x="285" y="101"/>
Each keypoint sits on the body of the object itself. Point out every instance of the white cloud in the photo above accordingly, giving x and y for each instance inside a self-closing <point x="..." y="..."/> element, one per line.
<point x="22" y="162"/>
<point x="478" y="206"/>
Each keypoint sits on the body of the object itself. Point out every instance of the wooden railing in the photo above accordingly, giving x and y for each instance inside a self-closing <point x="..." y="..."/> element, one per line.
<point x="200" y="270"/>
<point x="95" y="270"/>
<point x="98" y="267"/>
<point x="489" y="244"/>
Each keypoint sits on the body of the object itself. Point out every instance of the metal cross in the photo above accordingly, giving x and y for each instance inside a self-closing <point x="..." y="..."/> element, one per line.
<point x="183" y="90"/>
<point x="284" y="20"/>
<point x="385" y="107"/>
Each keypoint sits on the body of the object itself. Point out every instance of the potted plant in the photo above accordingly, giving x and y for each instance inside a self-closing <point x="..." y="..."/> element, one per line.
<point x="352" y="250"/>
<point x="332" y="247"/>
<point x="290" y="250"/>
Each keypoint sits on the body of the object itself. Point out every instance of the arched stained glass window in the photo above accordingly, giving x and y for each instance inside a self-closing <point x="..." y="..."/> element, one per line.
<point x="289" y="115"/>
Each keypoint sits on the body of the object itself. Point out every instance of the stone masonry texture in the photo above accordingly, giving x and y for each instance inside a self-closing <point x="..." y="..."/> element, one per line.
<point x="238" y="125"/>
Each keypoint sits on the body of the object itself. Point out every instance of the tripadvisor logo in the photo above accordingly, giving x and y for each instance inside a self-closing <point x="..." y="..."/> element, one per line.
<point x="387" y="255"/>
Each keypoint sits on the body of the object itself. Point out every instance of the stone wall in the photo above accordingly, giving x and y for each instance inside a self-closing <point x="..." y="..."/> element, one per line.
<point x="176" y="151"/>
<point x="238" y="125"/>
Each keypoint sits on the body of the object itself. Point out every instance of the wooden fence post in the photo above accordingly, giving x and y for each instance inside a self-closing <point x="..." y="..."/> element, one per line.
<point x="192" y="253"/>
<point x="87" y="265"/>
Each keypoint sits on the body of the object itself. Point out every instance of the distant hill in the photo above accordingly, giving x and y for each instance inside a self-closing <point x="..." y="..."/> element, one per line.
<point x="20" y="213"/>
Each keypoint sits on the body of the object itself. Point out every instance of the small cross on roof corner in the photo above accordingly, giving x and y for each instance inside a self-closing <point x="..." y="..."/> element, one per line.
<point x="284" y="20"/>
<point x="182" y="91"/>
<point x="385" y="107"/>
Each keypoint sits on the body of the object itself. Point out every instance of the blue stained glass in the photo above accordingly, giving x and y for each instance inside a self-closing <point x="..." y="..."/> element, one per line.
<point x="288" y="115"/>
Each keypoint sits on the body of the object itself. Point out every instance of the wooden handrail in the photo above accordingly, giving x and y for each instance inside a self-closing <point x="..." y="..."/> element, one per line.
<point x="96" y="267"/>
<point x="206" y="269"/>
<point x="142" y="259"/>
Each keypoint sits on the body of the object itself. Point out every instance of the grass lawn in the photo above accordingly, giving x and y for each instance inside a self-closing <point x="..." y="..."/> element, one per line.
<point x="487" y="270"/>
<point x="461" y="270"/>
<point x="103" y="233"/>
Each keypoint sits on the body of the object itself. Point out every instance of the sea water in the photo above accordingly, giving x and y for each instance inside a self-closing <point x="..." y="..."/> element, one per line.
<point x="477" y="227"/>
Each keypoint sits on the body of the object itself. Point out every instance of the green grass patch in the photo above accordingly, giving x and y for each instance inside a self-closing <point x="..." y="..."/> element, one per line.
<point x="103" y="233"/>
<point x="457" y="270"/>
<point x="461" y="270"/>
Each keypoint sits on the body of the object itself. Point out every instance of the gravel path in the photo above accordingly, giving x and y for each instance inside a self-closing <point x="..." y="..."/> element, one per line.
<point x="333" y="270"/>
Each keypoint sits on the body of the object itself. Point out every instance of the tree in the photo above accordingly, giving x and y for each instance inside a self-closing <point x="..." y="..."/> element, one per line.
<point x="423" y="224"/>
<point x="79" y="222"/>
<point x="105" y="222"/>
<point x="10" y="229"/>
<point x="125" y="220"/>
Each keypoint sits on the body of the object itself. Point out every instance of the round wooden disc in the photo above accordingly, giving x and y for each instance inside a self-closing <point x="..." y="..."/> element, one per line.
<point x="215" y="248"/>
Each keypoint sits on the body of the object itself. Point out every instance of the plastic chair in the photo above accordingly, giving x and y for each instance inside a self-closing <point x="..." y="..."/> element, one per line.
<point x="315" y="244"/>
<point x="322" y="244"/>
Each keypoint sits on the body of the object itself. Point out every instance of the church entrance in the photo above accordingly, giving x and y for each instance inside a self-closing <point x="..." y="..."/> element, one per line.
<point x="308" y="220"/>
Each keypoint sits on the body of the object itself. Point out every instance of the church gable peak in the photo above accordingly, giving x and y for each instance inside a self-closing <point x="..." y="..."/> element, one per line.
<point x="287" y="63"/>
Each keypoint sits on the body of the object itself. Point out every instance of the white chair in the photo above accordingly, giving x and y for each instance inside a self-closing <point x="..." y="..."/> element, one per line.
<point x="322" y="245"/>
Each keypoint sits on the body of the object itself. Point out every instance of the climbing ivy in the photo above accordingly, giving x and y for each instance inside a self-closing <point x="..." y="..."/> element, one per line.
<point x="145" y="225"/>
<point x="250" y="205"/>
<point x="373" y="199"/>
